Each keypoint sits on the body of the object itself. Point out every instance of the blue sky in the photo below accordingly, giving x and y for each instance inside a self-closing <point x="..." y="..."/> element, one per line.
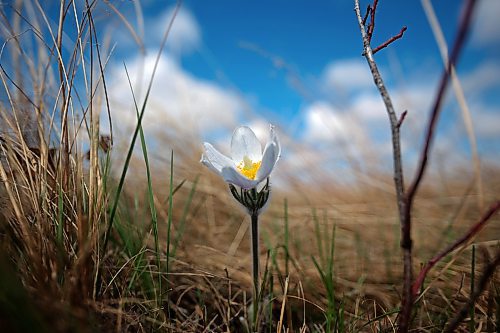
<point x="298" y="64"/>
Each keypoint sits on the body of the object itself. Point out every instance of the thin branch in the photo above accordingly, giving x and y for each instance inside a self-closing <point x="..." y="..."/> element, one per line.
<point x="371" y="27"/>
<point x="476" y="227"/>
<point x="368" y="10"/>
<point x="457" y="87"/>
<point x="390" y="40"/>
<point x="405" y="199"/>
<point x="478" y="290"/>
<point x="402" y="118"/>
<point x="398" y="170"/>
<point x="406" y="243"/>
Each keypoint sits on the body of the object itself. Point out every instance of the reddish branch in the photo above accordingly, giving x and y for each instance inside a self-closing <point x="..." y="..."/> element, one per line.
<point x="470" y="233"/>
<point x="405" y="198"/>
<point x="429" y="137"/>
<point x="371" y="27"/>
<point x="390" y="40"/>
<point x="402" y="118"/>
<point x="368" y="10"/>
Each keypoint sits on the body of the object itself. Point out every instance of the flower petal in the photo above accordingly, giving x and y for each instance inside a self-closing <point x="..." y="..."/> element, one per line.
<point x="245" y="143"/>
<point x="271" y="155"/>
<point x="268" y="161"/>
<point x="214" y="160"/>
<point x="274" y="138"/>
<point x="231" y="175"/>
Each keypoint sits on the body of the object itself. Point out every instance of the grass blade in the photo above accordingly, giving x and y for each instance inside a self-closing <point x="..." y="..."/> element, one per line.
<point x="185" y="213"/>
<point x="152" y="206"/>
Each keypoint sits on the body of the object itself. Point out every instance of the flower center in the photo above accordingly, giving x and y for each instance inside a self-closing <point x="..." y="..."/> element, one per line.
<point x="249" y="168"/>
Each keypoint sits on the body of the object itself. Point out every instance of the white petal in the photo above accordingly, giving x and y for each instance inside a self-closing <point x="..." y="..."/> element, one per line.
<point x="274" y="138"/>
<point x="271" y="155"/>
<point x="215" y="160"/>
<point x="245" y="143"/>
<point x="231" y="175"/>
<point x="269" y="159"/>
<point x="209" y="165"/>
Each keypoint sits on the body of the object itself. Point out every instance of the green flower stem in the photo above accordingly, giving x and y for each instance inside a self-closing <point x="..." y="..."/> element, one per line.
<point x="255" y="266"/>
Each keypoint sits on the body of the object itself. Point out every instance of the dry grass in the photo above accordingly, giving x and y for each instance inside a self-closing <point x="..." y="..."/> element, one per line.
<point x="57" y="196"/>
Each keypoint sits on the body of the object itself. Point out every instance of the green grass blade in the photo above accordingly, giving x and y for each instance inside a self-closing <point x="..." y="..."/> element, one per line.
<point x="170" y="210"/>
<point x="152" y="206"/>
<point x="136" y="131"/>
<point x="319" y="239"/>
<point x="319" y="269"/>
<point x="185" y="213"/>
<point x="332" y="252"/>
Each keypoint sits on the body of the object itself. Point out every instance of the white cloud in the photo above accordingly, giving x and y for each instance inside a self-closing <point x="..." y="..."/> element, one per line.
<point x="178" y="101"/>
<point x="487" y="122"/>
<point x="185" y="35"/>
<point x="484" y="76"/>
<point x="359" y="124"/>
<point x="369" y="106"/>
<point x="325" y="124"/>
<point x="347" y="74"/>
<point x="485" y="29"/>
<point x="361" y="127"/>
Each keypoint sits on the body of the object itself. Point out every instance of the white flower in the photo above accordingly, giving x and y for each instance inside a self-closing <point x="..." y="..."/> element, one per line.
<point x="248" y="165"/>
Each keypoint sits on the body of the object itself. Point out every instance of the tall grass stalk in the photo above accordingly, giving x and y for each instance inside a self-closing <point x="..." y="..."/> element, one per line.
<point x="287" y="258"/>
<point x="334" y="316"/>
<point x="136" y="132"/>
<point x="152" y="206"/>
<point x="185" y="213"/>
<point x="319" y="238"/>
<point x="472" y="323"/>
<point x="169" y="222"/>
<point x="286" y="236"/>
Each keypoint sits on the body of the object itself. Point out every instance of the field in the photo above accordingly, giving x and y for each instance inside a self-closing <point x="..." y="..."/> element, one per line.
<point x="127" y="231"/>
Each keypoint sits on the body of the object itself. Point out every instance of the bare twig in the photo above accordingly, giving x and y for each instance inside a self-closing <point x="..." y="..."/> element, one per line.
<point x="402" y="118"/>
<point x="405" y="199"/>
<point x="398" y="170"/>
<point x="478" y="290"/>
<point x="390" y="40"/>
<point x="470" y="233"/>
<point x="396" y="151"/>
<point x="371" y="27"/>
<point x="368" y="10"/>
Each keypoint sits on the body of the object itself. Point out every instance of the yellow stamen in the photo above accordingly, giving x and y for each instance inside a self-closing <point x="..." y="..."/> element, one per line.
<point x="248" y="168"/>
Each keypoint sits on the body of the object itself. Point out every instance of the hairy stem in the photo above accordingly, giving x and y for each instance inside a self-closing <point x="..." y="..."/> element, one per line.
<point x="255" y="264"/>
